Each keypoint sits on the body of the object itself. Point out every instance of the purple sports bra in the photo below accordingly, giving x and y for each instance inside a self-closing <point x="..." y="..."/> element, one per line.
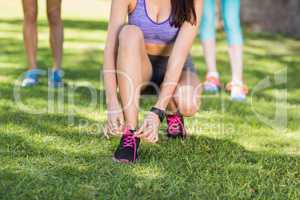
<point x="157" y="33"/>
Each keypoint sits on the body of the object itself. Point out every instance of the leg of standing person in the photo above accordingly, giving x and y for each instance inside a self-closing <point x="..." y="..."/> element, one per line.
<point x="30" y="35"/>
<point x="208" y="38"/>
<point x="56" y="40"/>
<point x="56" y="31"/>
<point x="30" y="31"/>
<point x="232" y="26"/>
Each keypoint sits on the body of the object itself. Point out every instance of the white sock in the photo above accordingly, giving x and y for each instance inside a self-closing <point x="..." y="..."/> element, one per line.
<point x="236" y="82"/>
<point x="213" y="74"/>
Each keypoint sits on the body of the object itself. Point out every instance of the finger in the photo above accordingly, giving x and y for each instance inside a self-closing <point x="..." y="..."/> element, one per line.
<point x="151" y="138"/>
<point x="120" y="125"/>
<point x="143" y="135"/>
<point x="150" y="129"/>
<point x="145" y="131"/>
<point x="156" y="138"/>
<point x="112" y="130"/>
<point x="140" y="131"/>
<point x="110" y="124"/>
<point x="119" y="131"/>
<point x="115" y="127"/>
<point x="152" y="134"/>
<point x="106" y="132"/>
<point x="121" y="121"/>
<point x="147" y="135"/>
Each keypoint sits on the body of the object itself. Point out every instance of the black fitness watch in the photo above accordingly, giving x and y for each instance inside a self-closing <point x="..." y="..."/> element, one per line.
<point x="160" y="113"/>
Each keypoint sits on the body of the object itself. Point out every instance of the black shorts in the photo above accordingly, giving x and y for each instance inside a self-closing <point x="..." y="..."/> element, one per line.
<point x="159" y="68"/>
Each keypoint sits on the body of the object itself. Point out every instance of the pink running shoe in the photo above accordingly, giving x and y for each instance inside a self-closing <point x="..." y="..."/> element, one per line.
<point x="212" y="85"/>
<point x="238" y="91"/>
<point x="175" y="126"/>
<point x="127" y="151"/>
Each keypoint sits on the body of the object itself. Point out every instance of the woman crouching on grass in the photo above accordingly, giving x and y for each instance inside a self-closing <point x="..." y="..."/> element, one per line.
<point x="153" y="48"/>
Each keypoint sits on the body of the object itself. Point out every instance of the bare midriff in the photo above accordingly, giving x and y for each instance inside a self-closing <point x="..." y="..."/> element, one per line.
<point x="159" y="49"/>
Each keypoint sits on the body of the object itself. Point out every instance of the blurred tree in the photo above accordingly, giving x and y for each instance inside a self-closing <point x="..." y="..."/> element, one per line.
<point x="270" y="15"/>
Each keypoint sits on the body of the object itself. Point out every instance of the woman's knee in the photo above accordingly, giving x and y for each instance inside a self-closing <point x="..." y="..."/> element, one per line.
<point x="188" y="100"/>
<point x="188" y="110"/>
<point x="130" y="35"/>
<point x="30" y="16"/>
<point x="54" y="17"/>
<point x="233" y="30"/>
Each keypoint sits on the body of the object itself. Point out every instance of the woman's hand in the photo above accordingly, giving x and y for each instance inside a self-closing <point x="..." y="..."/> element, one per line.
<point x="115" y="121"/>
<point x="150" y="128"/>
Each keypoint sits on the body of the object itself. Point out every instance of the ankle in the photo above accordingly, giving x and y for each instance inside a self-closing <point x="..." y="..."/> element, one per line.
<point x="237" y="82"/>
<point x="171" y="112"/>
<point x="56" y="69"/>
<point x="32" y="68"/>
<point x="214" y="74"/>
<point x="130" y="127"/>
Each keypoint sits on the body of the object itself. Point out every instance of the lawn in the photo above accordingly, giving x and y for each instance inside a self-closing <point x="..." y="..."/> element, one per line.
<point x="245" y="150"/>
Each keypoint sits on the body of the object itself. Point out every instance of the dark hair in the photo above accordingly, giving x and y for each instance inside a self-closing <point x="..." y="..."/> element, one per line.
<point x="183" y="11"/>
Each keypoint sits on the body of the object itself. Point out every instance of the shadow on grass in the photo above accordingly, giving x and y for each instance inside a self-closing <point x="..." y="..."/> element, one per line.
<point x="58" y="125"/>
<point x="80" y="93"/>
<point x="203" y="167"/>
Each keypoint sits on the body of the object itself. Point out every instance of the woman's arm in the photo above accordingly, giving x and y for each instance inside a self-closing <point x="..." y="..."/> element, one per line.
<point x="181" y="49"/>
<point x="115" y="118"/>
<point x="119" y="12"/>
<point x="178" y="56"/>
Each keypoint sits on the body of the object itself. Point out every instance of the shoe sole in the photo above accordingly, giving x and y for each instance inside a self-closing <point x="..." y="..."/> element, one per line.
<point x="176" y="136"/>
<point x="238" y="99"/>
<point x="29" y="84"/>
<point x="211" y="91"/>
<point x="123" y="161"/>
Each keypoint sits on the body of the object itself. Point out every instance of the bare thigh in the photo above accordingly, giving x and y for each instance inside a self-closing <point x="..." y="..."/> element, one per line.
<point x="131" y="36"/>
<point x="30" y="8"/>
<point x="53" y="4"/>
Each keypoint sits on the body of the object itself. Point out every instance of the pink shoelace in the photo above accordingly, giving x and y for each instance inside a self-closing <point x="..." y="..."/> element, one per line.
<point x="175" y="125"/>
<point x="129" y="139"/>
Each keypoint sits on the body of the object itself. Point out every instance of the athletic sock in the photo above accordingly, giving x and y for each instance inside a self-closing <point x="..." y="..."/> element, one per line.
<point x="236" y="82"/>
<point x="214" y="74"/>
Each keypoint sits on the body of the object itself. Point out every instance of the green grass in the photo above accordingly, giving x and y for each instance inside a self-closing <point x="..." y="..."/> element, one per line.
<point x="232" y="153"/>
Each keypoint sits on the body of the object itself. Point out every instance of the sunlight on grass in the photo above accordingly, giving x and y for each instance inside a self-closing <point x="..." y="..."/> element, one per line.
<point x="148" y="172"/>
